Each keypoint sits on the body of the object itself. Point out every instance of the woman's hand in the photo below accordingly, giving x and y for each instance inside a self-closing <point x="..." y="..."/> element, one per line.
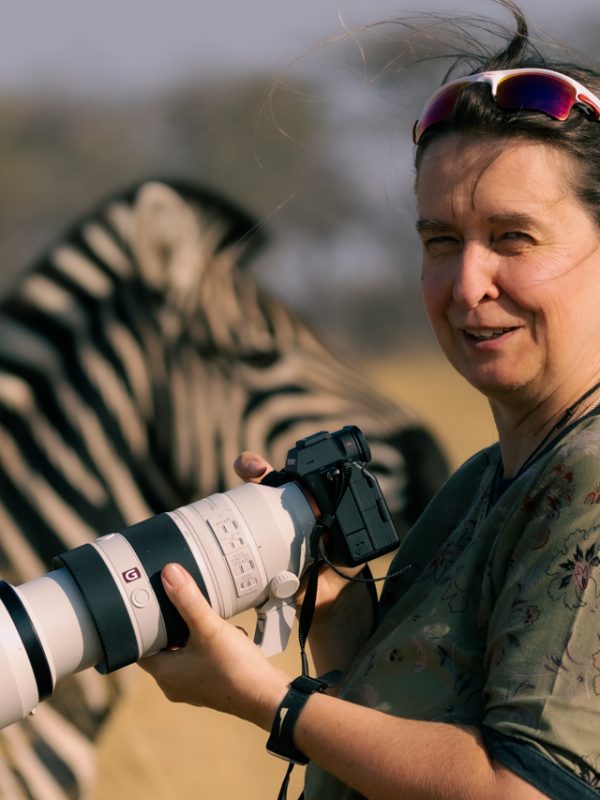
<point x="218" y="667"/>
<point x="343" y="615"/>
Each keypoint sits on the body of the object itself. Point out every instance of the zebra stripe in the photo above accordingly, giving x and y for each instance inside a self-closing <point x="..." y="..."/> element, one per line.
<point x="138" y="358"/>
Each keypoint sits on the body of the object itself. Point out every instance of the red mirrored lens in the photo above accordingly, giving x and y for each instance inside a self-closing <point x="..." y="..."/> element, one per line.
<point x="438" y="109"/>
<point x="543" y="93"/>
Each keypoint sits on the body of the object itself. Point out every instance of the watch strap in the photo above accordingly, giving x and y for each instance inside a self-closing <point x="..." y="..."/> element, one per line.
<point x="281" y="740"/>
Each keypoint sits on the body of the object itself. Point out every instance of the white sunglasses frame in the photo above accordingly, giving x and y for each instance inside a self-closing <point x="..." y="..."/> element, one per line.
<point x="494" y="77"/>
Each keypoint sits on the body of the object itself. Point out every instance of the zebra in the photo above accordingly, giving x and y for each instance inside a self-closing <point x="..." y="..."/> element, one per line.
<point x="138" y="358"/>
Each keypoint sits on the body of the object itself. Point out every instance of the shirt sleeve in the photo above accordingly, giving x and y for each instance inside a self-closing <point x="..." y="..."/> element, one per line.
<point x="542" y="695"/>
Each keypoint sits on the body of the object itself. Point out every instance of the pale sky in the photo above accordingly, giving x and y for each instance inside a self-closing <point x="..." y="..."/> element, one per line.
<point x="138" y="45"/>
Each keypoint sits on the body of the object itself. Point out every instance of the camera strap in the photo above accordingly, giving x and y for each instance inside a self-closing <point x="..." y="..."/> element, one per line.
<point x="310" y="596"/>
<point x="296" y="703"/>
<point x="304" y="623"/>
<point x="319" y="559"/>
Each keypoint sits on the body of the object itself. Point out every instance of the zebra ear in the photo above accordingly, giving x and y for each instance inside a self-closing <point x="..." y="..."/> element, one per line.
<point x="181" y="234"/>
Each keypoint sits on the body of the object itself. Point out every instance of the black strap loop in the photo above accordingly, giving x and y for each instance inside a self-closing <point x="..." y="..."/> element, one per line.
<point x="310" y="596"/>
<point x="286" y="782"/>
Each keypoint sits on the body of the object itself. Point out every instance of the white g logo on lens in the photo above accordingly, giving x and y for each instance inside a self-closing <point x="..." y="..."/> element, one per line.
<point x="131" y="574"/>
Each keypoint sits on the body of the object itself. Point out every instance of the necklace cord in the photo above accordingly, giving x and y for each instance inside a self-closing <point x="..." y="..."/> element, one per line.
<point x="572" y="408"/>
<point x="565" y="418"/>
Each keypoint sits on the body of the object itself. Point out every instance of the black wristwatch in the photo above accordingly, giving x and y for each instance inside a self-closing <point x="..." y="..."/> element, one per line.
<point x="281" y="740"/>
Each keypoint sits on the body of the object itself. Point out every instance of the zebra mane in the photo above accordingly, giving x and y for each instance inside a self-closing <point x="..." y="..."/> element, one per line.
<point x="238" y="226"/>
<point x="181" y="247"/>
<point x="148" y="231"/>
<point x="178" y="228"/>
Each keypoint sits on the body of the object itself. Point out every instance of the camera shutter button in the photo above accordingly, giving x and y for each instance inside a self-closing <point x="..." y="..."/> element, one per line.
<point x="283" y="585"/>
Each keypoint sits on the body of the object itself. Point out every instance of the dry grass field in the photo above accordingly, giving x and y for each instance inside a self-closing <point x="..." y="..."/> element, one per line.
<point x="154" y="750"/>
<point x="457" y="413"/>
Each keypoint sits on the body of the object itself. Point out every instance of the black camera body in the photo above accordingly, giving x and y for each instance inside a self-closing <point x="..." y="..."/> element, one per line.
<point x="330" y="468"/>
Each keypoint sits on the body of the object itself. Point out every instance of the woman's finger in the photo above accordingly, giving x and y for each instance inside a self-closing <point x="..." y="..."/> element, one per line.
<point x="251" y="467"/>
<point x="189" y="601"/>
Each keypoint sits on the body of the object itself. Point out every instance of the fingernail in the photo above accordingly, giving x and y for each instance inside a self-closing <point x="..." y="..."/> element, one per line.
<point x="173" y="575"/>
<point x="255" y="468"/>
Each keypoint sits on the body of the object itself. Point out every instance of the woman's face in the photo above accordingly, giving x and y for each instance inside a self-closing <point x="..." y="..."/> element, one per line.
<point x="511" y="268"/>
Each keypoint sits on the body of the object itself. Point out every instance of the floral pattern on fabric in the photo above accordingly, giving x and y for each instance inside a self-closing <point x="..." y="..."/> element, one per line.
<point x="576" y="569"/>
<point x="495" y="620"/>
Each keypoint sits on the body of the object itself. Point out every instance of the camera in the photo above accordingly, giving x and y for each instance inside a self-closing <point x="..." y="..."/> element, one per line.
<point x="103" y="603"/>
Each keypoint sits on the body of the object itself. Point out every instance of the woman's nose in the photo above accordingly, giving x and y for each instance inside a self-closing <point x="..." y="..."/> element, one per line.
<point x="475" y="279"/>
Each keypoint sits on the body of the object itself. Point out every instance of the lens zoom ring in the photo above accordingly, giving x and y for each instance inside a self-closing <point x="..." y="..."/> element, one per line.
<point x="105" y="604"/>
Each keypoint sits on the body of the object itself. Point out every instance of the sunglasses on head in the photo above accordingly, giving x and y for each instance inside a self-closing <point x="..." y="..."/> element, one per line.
<point x="522" y="89"/>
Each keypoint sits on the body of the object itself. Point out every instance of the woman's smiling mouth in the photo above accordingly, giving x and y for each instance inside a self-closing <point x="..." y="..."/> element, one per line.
<point x="486" y="334"/>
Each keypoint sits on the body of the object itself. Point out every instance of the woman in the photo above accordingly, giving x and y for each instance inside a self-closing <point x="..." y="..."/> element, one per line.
<point x="482" y="679"/>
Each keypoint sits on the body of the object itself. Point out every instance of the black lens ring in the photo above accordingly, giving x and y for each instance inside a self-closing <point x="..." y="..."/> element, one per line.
<point x="158" y="541"/>
<point x="105" y="604"/>
<point x="31" y="641"/>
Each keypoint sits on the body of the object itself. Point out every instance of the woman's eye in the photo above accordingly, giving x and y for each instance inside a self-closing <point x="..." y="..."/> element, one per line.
<point x="513" y="243"/>
<point x="513" y="235"/>
<point x="442" y="243"/>
<point x="516" y="237"/>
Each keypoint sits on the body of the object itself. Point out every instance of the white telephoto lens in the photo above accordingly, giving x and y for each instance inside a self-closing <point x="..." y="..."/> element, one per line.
<point x="106" y="607"/>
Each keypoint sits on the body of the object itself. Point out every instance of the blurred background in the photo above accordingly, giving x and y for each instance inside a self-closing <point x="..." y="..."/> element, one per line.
<point x="287" y="107"/>
<point x="300" y="111"/>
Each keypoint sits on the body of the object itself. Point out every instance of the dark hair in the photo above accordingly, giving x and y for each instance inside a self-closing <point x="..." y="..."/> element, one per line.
<point x="476" y="112"/>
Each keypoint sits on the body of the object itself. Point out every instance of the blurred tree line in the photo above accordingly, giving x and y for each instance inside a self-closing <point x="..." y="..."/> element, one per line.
<point x="300" y="156"/>
<point x="323" y="160"/>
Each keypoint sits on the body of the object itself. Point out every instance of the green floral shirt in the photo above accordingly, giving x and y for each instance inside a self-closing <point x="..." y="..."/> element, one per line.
<point x="494" y="620"/>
